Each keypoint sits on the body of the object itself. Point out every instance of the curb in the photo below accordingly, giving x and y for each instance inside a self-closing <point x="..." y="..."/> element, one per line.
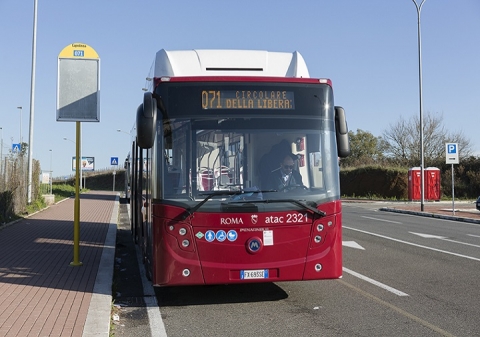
<point x="99" y="311"/>
<point x="431" y="215"/>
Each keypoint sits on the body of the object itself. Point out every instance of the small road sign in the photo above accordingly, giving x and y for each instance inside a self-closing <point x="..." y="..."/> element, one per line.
<point x="16" y="148"/>
<point x="451" y="153"/>
<point x="114" y="161"/>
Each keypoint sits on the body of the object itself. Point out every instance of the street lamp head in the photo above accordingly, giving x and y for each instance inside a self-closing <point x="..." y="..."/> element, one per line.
<point x="125" y="132"/>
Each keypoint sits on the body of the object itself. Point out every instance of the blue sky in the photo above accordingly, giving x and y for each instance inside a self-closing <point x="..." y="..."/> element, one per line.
<point x="368" y="48"/>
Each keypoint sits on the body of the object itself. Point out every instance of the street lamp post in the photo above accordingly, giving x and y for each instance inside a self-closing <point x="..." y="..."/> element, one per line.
<point x="1" y="152"/>
<point x="422" y="179"/>
<point x="65" y="138"/>
<point x="22" y="167"/>
<point x="125" y="132"/>
<point x="51" y="172"/>
<point x="32" y="104"/>
<point x="20" y="141"/>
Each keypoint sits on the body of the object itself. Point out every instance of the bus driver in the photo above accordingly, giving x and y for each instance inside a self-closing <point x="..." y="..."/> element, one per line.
<point x="285" y="177"/>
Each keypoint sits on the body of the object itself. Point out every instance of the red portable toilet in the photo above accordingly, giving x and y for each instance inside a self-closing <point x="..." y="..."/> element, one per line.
<point x="414" y="183"/>
<point x="432" y="183"/>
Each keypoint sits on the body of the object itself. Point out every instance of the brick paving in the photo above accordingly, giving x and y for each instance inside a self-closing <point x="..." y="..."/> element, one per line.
<point x="41" y="294"/>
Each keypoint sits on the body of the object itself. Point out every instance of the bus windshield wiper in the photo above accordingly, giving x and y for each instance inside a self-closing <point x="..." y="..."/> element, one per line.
<point x="293" y="201"/>
<point x="212" y="194"/>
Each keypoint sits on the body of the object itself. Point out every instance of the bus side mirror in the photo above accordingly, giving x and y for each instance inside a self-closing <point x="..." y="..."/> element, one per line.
<point x="341" y="132"/>
<point x="146" y="121"/>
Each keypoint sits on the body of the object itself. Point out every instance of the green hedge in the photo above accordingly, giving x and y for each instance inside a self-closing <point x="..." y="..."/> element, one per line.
<point x="374" y="182"/>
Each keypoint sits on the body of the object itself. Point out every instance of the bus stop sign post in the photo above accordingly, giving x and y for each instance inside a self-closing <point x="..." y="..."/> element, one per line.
<point x="451" y="155"/>
<point x="78" y="91"/>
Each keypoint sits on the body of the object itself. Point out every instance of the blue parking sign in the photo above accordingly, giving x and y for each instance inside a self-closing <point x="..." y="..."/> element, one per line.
<point x="452" y="148"/>
<point x="451" y="153"/>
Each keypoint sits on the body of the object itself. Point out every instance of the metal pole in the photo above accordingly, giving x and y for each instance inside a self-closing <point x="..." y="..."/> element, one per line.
<point x="76" y="212"/>
<point x="23" y="178"/>
<point x="453" y="192"/>
<point x="76" y="155"/>
<point x="51" y="172"/>
<point x="81" y="162"/>
<point x="422" y="178"/>
<point x="20" y="139"/>
<point x="1" y="153"/>
<point x="32" y="101"/>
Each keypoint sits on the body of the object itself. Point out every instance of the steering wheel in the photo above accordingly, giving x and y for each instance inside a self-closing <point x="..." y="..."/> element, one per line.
<point x="292" y="187"/>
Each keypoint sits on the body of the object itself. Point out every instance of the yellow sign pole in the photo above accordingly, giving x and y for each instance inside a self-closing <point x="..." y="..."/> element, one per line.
<point x="76" y="213"/>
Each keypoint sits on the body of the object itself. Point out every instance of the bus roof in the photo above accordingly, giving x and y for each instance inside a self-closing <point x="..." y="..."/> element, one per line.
<point x="202" y="62"/>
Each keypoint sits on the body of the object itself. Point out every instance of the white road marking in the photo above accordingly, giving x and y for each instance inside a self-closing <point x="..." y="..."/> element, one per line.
<point x="413" y="244"/>
<point x="352" y="244"/>
<point x="376" y="219"/>
<point x="157" y="328"/>
<point x="429" y="236"/>
<point x="372" y="281"/>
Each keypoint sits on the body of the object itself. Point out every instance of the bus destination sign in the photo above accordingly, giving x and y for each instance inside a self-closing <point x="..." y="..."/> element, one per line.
<point x="248" y="99"/>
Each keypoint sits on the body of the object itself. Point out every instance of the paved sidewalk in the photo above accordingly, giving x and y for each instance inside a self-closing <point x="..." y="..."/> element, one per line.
<point x="41" y="294"/>
<point x="464" y="211"/>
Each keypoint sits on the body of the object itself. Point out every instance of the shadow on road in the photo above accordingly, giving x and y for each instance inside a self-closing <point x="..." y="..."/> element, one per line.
<point x="219" y="294"/>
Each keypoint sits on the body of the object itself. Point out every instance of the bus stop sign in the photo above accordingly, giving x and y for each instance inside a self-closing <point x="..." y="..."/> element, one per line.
<point x="78" y="86"/>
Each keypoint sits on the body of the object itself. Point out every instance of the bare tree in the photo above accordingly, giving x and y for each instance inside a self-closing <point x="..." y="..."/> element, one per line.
<point x="401" y="143"/>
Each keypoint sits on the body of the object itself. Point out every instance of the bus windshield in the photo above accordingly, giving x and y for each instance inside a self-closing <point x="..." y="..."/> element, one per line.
<point x="264" y="154"/>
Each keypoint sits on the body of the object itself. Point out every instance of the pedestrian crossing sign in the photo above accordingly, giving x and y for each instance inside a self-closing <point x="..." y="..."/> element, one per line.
<point x="114" y="161"/>
<point x="16" y="148"/>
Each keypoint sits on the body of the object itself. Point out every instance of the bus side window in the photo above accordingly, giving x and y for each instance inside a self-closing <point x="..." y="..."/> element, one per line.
<point x="171" y="184"/>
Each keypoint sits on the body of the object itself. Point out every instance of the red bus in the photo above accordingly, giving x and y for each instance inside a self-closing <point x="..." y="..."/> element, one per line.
<point x="213" y="136"/>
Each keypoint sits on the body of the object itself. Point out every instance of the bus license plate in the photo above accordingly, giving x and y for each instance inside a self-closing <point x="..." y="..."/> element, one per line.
<point x="253" y="274"/>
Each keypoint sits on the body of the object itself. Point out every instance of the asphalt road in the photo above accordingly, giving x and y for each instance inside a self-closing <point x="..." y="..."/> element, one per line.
<point x="403" y="276"/>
